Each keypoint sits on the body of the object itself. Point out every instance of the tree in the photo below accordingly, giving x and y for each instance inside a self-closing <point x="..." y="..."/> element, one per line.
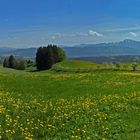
<point x="61" y="55"/>
<point x="12" y="62"/>
<point x="47" y="56"/>
<point x="6" y="62"/>
<point x="41" y="58"/>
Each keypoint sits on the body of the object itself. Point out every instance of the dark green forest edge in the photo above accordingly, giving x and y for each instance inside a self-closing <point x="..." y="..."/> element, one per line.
<point x="62" y="99"/>
<point x="45" y="58"/>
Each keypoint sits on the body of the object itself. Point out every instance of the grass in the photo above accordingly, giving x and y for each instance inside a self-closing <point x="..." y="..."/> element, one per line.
<point x="83" y="66"/>
<point x="100" y="104"/>
<point x="76" y="64"/>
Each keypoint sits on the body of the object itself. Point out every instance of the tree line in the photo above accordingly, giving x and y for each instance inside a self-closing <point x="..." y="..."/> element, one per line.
<point x="12" y="62"/>
<point x="45" y="58"/>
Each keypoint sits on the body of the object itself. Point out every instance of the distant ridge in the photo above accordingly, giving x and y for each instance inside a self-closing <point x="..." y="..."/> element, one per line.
<point x="125" y="47"/>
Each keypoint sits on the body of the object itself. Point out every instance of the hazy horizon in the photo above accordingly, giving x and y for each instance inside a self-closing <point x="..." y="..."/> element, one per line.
<point x="32" y="23"/>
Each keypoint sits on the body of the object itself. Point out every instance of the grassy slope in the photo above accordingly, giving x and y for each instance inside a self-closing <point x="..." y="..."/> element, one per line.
<point x="53" y="84"/>
<point x="76" y="64"/>
<point x="50" y="84"/>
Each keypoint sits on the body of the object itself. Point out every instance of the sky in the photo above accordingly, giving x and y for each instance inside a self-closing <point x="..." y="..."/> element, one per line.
<point x="34" y="23"/>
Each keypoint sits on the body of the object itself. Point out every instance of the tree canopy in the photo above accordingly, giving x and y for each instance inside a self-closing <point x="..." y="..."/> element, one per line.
<point x="47" y="56"/>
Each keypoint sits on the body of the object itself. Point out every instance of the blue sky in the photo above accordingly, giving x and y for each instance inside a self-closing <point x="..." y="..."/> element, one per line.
<point x="32" y="23"/>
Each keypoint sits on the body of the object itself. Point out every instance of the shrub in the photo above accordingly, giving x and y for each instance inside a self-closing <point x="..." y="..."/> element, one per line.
<point x="21" y="65"/>
<point x="134" y="66"/>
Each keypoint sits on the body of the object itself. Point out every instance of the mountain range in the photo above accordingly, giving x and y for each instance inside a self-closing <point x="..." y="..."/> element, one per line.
<point x="125" y="47"/>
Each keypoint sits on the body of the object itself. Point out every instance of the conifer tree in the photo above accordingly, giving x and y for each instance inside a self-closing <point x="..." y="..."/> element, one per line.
<point x="47" y="56"/>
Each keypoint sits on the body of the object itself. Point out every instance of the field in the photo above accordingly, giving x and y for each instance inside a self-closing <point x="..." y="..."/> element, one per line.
<point x="75" y="100"/>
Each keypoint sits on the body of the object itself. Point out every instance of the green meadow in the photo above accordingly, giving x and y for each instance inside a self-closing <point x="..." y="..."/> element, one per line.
<point x="74" y="100"/>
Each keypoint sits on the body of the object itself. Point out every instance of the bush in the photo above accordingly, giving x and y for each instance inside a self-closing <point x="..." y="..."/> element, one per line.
<point x="134" y="66"/>
<point x="30" y="63"/>
<point x="21" y="65"/>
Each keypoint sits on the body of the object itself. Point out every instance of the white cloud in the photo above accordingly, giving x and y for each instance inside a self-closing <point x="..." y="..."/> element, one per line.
<point x="94" y="33"/>
<point x="132" y="34"/>
<point x="76" y="34"/>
